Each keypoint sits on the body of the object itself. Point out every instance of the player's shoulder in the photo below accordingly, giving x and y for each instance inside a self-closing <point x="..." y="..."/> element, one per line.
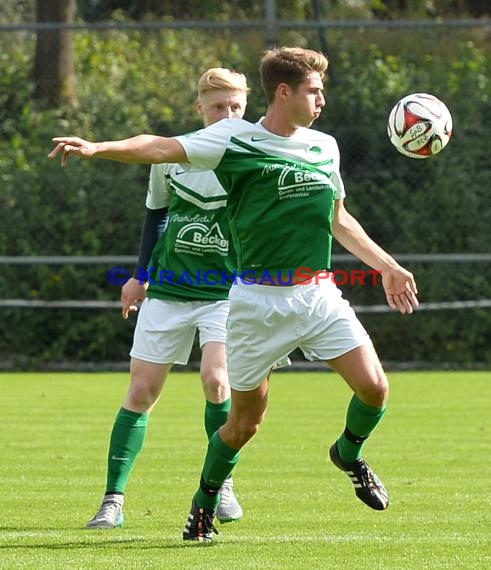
<point x="220" y="131"/>
<point x="204" y="183"/>
<point x="322" y="144"/>
<point x="319" y="136"/>
<point x="232" y="126"/>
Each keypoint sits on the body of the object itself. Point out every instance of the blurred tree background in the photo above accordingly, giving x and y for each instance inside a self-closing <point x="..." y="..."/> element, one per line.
<point x="122" y="67"/>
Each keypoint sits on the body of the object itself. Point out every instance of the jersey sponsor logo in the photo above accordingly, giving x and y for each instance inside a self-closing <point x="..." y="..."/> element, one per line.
<point x="198" y="239"/>
<point x="297" y="182"/>
<point x="259" y="139"/>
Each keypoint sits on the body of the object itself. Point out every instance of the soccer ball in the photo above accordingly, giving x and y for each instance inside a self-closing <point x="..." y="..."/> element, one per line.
<point x="420" y="125"/>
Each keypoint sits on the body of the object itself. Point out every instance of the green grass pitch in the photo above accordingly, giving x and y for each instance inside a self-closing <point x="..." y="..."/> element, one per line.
<point x="432" y="451"/>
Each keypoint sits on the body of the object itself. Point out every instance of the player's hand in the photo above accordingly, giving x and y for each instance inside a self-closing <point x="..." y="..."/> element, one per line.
<point x="132" y="292"/>
<point x="400" y="290"/>
<point x="72" y="145"/>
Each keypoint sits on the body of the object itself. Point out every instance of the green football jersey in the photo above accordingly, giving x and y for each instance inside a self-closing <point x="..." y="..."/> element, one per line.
<point x="191" y="261"/>
<point x="281" y="192"/>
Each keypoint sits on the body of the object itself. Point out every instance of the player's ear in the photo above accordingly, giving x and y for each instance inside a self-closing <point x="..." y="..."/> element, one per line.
<point x="283" y="91"/>
<point x="198" y="107"/>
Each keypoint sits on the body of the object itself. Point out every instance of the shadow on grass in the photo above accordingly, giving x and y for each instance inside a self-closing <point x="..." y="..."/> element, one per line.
<point x="98" y="539"/>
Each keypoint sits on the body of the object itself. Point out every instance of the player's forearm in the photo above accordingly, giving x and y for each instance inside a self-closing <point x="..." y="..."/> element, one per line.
<point x="143" y="149"/>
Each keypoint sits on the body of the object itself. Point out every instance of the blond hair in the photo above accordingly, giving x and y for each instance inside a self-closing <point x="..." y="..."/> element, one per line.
<point x="223" y="79"/>
<point x="289" y="65"/>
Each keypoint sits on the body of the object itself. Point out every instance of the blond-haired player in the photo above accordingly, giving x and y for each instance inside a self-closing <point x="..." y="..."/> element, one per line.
<point x="191" y="208"/>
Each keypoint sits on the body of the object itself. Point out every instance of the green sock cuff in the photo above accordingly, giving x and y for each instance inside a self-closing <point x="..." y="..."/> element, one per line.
<point x="129" y="418"/>
<point x="222" y="448"/>
<point x="221" y="407"/>
<point x="365" y="408"/>
<point x="361" y="419"/>
<point x="215" y="416"/>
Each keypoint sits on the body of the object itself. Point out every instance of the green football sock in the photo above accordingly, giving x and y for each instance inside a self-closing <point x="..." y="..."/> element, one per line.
<point x="219" y="462"/>
<point x="215" y="416"/>
<point x="127" y="438"/>
<point x="361" y="420"/>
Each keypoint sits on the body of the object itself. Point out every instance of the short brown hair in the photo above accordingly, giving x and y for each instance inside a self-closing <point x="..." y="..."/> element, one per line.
<point x="222" y="78"/>
<point x="289" y="65"/>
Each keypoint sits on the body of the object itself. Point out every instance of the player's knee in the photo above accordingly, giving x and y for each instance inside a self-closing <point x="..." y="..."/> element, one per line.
<point x="142" y="397"/>
<point x="377" y="390"/>
<point x="214" y="379"/>
<point x="215" y="384"/>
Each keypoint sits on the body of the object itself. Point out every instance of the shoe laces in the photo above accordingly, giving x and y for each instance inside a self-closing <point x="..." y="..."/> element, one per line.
<point x="109" y="509"/>
<point x="368" y="477"/>
<point x="208" y="525"/>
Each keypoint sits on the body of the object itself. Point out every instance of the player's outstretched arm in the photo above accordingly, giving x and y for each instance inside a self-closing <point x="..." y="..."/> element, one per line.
<point x="144" y="149"/>
<point x="399" y="284"/>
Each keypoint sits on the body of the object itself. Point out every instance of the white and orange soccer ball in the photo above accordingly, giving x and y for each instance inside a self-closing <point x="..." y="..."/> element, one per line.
<point x="420" y="125"/>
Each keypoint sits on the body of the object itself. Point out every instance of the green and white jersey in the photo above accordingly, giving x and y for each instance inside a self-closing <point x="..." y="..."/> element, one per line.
<point x="190" y="260"/>
<point x="281" y="192"/>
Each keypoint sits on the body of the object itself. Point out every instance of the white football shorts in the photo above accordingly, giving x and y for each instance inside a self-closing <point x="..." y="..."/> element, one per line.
<point x="165" y="330"/>
<point x="266" y="323"/>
